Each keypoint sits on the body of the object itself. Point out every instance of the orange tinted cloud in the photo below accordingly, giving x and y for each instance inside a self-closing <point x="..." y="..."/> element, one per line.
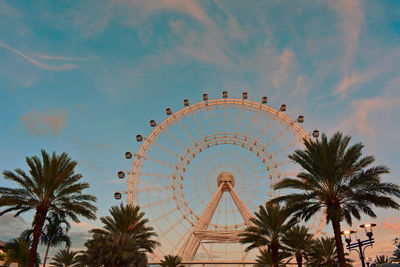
<point x="40" y="123"/>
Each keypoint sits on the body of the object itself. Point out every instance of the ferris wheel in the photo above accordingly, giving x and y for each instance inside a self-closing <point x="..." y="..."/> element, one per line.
<point x="203" y="171"/>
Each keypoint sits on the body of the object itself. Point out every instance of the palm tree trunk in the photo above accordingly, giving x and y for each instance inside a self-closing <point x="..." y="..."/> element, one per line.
<point x="339" y="242"/>
<point x="275" y="255"/>
<point x="299" y="259"/>
<point x="45" y="255"/>
<point x="37" y="230"/>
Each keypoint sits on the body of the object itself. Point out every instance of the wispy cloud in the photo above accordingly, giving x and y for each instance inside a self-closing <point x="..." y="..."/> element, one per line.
<point x="349" y="81"/>
<point x="285" y="60"/>
<point x="363" y="108"/>
<point x="189" y="7"/>
<point x="38" y="63"/>
<point x="60" y="58"/>
<point x="352" y="19"/>
<point x="42" y="123"/>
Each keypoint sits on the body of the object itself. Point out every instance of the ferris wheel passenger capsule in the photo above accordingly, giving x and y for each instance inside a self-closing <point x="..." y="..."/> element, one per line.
<point x="168" y="111"/>
<point x="139" y="138"/>
<point x="153" y="123"/>
<point x="186" y="102"/>
<point x="300" y="119"/>
<point x="121" y="174"/>
<point x="224" y="94"/>
<point x="264" y="100"/>
<point x="117" y="195"/>
<point x="244" y="95"/>
<point x="283" y="108"/>
<point x="205" y="97"/>
<point x="315" y="133"/>
<point x="128" y="155"/>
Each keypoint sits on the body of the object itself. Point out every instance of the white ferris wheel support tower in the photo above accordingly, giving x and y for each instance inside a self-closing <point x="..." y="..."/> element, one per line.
<point x="199" y="233"/>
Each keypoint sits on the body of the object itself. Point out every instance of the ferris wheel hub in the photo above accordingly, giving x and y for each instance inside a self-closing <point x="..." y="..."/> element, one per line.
<point x="226" y="178"/>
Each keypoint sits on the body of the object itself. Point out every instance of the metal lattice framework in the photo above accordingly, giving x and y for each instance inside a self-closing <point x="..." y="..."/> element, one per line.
<point x="176" y="174"/>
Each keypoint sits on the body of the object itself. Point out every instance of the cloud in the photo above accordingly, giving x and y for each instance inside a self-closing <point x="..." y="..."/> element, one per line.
<point x="349" y="81"/>
<point x="50" y="57"/>
<point x="189" y="7"/>
<point x="352" y="19"/>
<point x="12" y="227"/>
<point x="363" y="108"/>
<point x="285" y="60"/>
<point x="38" y="63"/>
<point x="41" y="123"/>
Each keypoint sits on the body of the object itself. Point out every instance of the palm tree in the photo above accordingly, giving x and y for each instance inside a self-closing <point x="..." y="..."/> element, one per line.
<point x="51" y="186"/>
<point x="17" y="251"/>
<point x="323" y="253"/>
<point x="171" y="261"/>
<point x="265" y="259"/>
<point x="65" y="258"/>
<point x="269" y="226"/>
<point x="336" y="180"/>
<point x="123" y="239"/>
<point x="53" y="234"/>
<point x="396" y="253"/>
<point x="298" y="241"/>
<point x="381" y="259"/>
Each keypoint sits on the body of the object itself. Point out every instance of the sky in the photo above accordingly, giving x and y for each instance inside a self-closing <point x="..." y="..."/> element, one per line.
<point x="85" y="77"/>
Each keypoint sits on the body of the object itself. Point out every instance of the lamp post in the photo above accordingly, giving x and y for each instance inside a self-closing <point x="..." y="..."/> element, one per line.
<point x="360" y="245"/>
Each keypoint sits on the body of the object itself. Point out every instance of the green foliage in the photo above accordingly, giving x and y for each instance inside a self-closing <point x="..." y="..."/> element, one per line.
<point x="65" y="258"/>
<point x="381" y="259"/>
<point x="270" y="224"/>
<point x="17" y="251"/>
<point x="171" y="261"/>
<point x="298" y="242"/>
<point x="122" y="241"/>
<point x="50" y="186"/>
<point x="323" y="253"/>
<point x="265" y="259"/>
<point x="337" y="180"/>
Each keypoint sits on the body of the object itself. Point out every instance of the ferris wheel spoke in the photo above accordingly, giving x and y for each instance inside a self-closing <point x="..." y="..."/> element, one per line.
<point x="165" y="214"/>
<point x="275" y="137"/>
<point x="148" y="189"/>
<point x="151" y="204"/>
<point x="165" y="163"/>
<point x="186" y="131"/>
<point x="158" y="175"/>
<point x="283" y="149"/>
<point x="169" y="151"/>
<point x="233" y="213"/>
<point x="176" y="140"/>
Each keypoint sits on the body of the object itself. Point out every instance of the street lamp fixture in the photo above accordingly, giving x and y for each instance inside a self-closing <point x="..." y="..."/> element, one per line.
<point x="360" y="245"/>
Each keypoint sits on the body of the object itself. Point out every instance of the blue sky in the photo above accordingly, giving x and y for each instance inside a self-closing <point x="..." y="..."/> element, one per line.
<point x="84" y="77"/>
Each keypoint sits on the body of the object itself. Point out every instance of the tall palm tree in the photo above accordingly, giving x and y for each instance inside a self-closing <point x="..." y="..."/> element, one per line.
<point x="171" y="261"/>
<point x="336" y="179"/>
<point x="271" y="223"/>
<point x="17" y="251"/>
<point x="53" y="234"/>
<point x="123" y="239"/>
<point x="50" y="186"/>
<point x="298" y="241"/>
<point x="65" y="258"/>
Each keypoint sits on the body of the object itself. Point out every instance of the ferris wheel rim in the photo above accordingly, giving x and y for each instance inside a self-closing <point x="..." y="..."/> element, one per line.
<point x="276" y="115"/>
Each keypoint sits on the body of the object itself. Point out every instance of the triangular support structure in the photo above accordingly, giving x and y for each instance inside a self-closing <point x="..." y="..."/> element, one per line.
<point x="199" y="232"/>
